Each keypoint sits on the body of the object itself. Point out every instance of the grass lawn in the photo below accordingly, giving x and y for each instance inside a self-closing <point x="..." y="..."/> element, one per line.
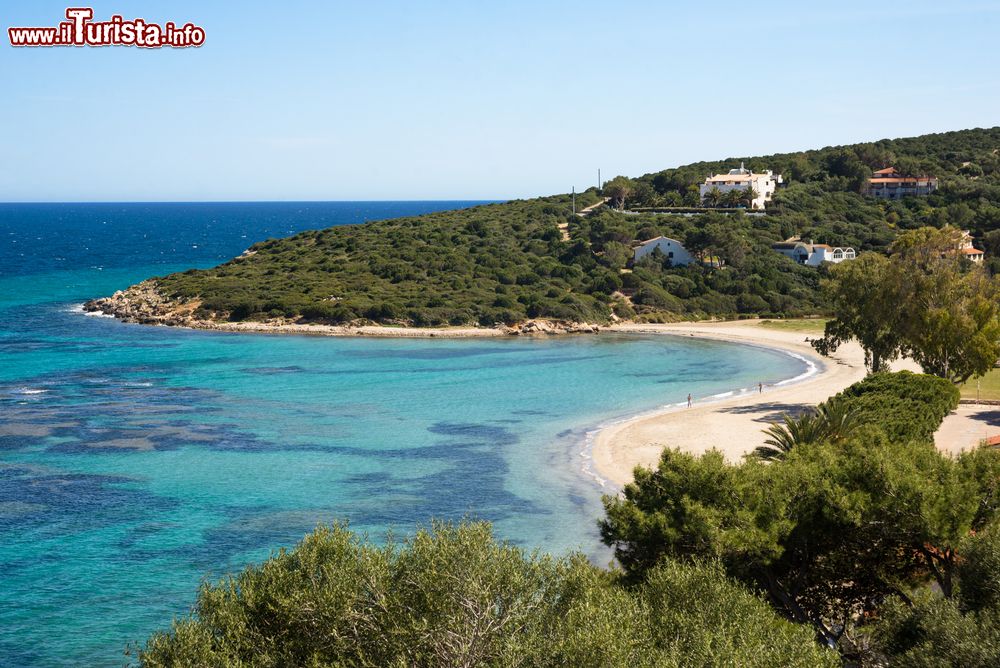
<point x="989" y="387"/>
<point x="810" y="325"/>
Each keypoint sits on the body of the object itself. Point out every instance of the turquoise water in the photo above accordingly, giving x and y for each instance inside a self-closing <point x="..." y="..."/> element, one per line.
<point x="135" y="460"/>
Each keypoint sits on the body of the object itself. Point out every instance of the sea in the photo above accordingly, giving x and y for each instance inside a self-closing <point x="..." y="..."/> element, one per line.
<point x="137" y="461"/>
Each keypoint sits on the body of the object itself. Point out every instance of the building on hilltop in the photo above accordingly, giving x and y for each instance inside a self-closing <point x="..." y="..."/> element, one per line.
<point x="813" y="255"/>
<point x="742" y="179"/>
<point x="889" y="184"/>
<point x="671" y="248"/>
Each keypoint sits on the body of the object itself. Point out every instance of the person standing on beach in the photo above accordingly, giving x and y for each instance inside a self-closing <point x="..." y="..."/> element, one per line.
<point x="689" y="401"/>
<point x="760" y="388"/>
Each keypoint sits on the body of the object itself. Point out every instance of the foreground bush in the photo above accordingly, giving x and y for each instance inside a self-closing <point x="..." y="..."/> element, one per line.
<point x="454" y="596"/>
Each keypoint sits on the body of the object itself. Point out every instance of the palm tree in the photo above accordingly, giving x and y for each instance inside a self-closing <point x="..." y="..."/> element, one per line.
<point x="748" y="196"/>
<point x="832" y="422"/>
<point x="713" y="197"/>
<point x="734" y="198"/>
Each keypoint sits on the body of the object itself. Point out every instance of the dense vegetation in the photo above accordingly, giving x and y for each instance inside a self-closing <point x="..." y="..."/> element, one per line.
<point x="510" y="262"/>
<point x="962" y="630"/>
<point x="456" y="597"/>
<point x="834" y="532"/>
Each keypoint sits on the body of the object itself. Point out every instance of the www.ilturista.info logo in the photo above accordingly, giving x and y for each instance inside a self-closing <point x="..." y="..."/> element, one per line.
<point x="81" y="30"/>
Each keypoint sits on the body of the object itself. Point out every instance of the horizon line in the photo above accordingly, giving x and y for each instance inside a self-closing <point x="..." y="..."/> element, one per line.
<point x="259" y="201"/>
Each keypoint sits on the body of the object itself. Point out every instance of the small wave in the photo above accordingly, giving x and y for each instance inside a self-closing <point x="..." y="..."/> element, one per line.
<point x="78" y="308"/>
<point x="28" y="391"/>
<point x="811" y="369"/>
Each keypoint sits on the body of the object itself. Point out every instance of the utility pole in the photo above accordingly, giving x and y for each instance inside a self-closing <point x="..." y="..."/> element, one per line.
<point x="574" y="200"/>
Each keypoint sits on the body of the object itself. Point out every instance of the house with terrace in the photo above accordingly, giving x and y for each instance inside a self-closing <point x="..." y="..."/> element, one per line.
<point x="761" y="186"/>
<point x="889" y="184"/>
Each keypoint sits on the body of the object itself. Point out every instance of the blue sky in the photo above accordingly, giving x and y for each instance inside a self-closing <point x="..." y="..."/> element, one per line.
<point x="455" y="100"/>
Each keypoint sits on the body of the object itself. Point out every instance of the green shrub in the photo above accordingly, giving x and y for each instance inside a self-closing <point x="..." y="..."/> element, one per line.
<point x="905" y="405"/>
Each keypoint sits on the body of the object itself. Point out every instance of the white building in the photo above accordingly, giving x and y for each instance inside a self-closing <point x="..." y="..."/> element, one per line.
<point x="813" y="255"/>
<point x="966" y="248"/>
<point x="671" y="248"/>
<point x="743" y="179"/>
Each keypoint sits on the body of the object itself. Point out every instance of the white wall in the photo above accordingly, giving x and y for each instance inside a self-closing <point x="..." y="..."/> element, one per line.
<point x="764" y="185"/>
<point x="671" y="248"/>
<point x="818" y="255"/>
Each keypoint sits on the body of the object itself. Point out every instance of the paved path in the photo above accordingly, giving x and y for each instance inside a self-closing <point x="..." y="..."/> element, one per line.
<point x="967" y="426"/>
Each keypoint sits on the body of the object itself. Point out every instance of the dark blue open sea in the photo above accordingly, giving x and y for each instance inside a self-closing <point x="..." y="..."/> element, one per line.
<point x="136" y="460"/>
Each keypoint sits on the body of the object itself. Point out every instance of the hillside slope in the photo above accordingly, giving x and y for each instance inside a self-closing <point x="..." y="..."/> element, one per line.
<point x="507" y="263"/>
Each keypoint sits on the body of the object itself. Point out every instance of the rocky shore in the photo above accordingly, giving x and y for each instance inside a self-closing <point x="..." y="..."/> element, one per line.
<point x="144" y="304"/>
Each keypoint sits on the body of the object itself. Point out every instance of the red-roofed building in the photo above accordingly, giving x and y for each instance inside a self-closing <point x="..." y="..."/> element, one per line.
<point x="889" y="184"/>
<point x="966" y="248"/>
<point x="974" y="254"/>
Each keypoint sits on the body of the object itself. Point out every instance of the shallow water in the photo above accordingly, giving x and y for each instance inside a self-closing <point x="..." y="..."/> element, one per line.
<point x="134" y="460"/>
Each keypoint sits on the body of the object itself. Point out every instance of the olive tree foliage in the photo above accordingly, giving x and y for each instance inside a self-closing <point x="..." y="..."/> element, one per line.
<point x="828" y="533"/>
<point x="455" y="596"/>
<point x="954" y="333"/>
<point x="924" y="300"/>
<point x="619" y="189"/>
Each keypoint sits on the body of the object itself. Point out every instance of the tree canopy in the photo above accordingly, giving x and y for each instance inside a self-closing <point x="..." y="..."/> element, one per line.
<point x="925" y="300"/>
<point x="454" y="596"/>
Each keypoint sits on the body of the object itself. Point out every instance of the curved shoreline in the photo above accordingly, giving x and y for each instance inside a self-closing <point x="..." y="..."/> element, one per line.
<point x="814" y="368"/>
<point x="733" y="422"/>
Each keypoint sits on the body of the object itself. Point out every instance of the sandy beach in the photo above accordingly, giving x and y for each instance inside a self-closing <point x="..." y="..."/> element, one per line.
<point x="733" y="425"/>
